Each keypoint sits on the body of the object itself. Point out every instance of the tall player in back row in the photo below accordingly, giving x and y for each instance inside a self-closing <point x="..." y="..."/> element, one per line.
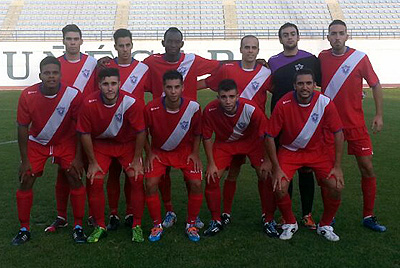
<point x="78" y="71"/>
<point x="343" y="70"/>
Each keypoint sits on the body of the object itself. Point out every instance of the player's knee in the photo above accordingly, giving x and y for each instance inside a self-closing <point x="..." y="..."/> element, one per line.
<point x="151" y="186"/>
<point x="195" y="186"/>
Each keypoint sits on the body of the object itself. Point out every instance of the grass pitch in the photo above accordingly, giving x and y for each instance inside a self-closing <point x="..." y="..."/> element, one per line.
<point x="242" y="244"/>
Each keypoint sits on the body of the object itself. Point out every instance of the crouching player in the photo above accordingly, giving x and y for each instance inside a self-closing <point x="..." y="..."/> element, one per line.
<point x="108" y="123"/>
<point x="239" y="127"/>
<point x="174" y="124"/>
<point x="46" y="120"/>
<point x="299" y="118"/>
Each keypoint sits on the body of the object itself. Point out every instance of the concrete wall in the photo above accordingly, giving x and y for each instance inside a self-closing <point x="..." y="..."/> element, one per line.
<point x="19" y="61"/>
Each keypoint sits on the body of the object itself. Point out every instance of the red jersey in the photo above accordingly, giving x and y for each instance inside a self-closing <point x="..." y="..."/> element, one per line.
<point x="252" y="84"/>
<point x="189" y="65"/>
<point x="117" y="123"/>
<point x="173" y="131"/>
<point x="133" y="77"/>
<point x="81" y="74"/>
<point x="342" y="81"/>
<point x="300" y="126"/>
<point x="248" y="124"/>
<point x="52" y="118"/>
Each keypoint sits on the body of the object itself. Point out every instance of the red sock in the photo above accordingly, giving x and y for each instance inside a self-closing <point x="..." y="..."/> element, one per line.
<point x="270" y="201"/>
<point x="368" y="186"/>
<point x="165" y="190"/>
<point x="213" y="198"/>
<point x="193" y="207"/>
<point x="330" y="207"/>
<point x="285" y="207"/>
<point x="62" y="193"/>
<point x="24" y="205"/>
<point x="97" y="201"/>
<point x="78" y="199"/>
<point x="262" y="192"/>
<point x="228" y="194"/>
<point x="127" y="190"/>
<point x="88" y="189"/>
<point x="113" y="187"/>
<point x="137" y="199"/>
<point x="154" y="206"/>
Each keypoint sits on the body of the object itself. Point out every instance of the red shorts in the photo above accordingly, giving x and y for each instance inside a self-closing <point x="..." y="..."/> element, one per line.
<point x="63" y="154"/>
<point x="175" y="159"/>
<point x="320" y="162"/>
<point x="224" y="152"/>
<point x="358" y="141"/>
<point x="106" y="151"/>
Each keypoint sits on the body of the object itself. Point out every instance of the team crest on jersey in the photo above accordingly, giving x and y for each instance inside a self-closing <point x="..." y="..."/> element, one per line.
<point x="86" y="73"/>
<point x="60" y="110"/>
<point x="242" y="125"/>
<point x="118" y="116"/>
<point x="184" y="124"/>
<point x="299" y="66"/>
<point x="182" y="70"/>
<point x="255" y="85"/>
<point x="314" y="117"/>
<point x="345" y="69"/>
<point x="133" y="79"/>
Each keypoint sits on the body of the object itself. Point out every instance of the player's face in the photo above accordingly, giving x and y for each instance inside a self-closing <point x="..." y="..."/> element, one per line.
<point x="123" y="46"/>
<point x="173" y="89"/>
<point x="337" y="37"/>
<point x="249" y="49"/>
<point x="289" y="38"/>
<point x="228" y="100"/>
<point x="173" y="43"/>
<point x="109" y="88"/>
<point x="304" y="87"/>
<point x="50" y="76"/>
<point x="72" y="42"/>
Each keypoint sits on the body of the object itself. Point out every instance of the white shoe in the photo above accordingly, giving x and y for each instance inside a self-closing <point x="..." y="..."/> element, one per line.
<point x="327" y="232"/>
<point x="288" y="231"/>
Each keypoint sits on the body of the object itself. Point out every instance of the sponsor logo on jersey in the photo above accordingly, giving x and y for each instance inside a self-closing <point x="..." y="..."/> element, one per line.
<point x="212" y="109"/>
<point x="154" y="108"/>
<point x="118" y="117"/>
<point x="86" y="73"/>
<point x="287" y="101"/>
<point x="133" y="79"/>
<point x="184" y="124"/>
<point x="345" y="69"/>
<point x="242" y="125"/>
<point x="182" y="70"/>
<point x="365" y="148"/>
<point x="299" y="66"/>
<point x="314" y="117"/>
<point x="92" y="100"/>
<point x="31" y="92"/>
<point x="60" y="110"/>
<point x="255" y="85"/>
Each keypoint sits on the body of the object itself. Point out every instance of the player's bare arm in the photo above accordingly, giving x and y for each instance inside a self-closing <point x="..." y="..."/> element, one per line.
<point x="93" y="165"/>
<point x="137" y="164"/>
<point x="377" y="122"/>
<point x="212" y="170"/>
<point x="25" y="167"/>
<point x="195" y="155"/>
<point x="336" y="171"/>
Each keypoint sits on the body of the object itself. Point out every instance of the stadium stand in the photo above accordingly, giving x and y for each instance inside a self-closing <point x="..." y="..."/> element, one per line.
<point x="4" y="5"/>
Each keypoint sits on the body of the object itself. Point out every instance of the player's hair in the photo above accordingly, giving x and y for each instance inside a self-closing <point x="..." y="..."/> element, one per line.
<point x="71" y="28"/>
<point x="226" y="85"/>
<point x="49" y="60"/>
<point x="287" y="25"/>
<point x="246" y="36"/>
<point x="172" y="75"/>
<point x="122" y="33"/>
<point x="107" y="72"/>
<point x="337" y="22"/>
<point x="304" y="71"/>
<point x="173" y="30"/>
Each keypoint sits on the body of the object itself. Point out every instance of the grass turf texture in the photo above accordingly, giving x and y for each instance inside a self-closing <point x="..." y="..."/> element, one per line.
<point x="242" y="244"/>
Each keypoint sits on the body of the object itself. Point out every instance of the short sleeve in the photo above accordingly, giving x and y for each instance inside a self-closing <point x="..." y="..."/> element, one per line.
<point x="206" y="66"/>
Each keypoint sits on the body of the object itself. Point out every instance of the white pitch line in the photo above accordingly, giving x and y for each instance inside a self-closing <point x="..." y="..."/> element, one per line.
<point x="7" y="142"/>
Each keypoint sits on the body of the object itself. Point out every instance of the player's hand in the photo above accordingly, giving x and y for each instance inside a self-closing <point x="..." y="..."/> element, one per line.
<point x="104" y="62"/>
<point x="377" y="124"/>
<point x="195" y="158"/>
<point x="137" y="167"/>
<point x="25" y="169"/>
<point x="277" y="176"/>
<point x="76" y="169"/>
<point x="148" y="165"/>
<point x="93" y="169"/>
<point x="211" y="173"/>
<point x="337" y="174"/>
<point x="263" y="62"/>
<point x="266" y="169"/>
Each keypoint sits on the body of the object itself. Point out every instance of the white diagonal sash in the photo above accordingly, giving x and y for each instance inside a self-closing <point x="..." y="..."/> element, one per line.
<point x="242" y="123"/>
<point x="134" y="77"/>
<point x="118" y="118"/>
<point x="311" y="125"/>
<point x="342" y="73"/>
<point x="85" y="73"/>
<point x="256" y="83"/>
<point x="181" y="128"/>
<point x="185" y="65"/>
<point x="56" y="119"/>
